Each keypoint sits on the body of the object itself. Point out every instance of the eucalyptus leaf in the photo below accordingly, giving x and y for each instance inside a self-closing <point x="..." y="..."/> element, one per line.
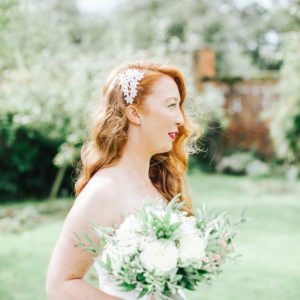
<point x="143" y="292"/>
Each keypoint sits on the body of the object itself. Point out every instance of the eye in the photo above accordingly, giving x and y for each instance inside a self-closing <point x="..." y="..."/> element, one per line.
<point x="172" y="105"/>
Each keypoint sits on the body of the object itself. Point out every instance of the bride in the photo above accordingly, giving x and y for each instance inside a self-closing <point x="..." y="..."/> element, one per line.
<point x="139" y="141"/>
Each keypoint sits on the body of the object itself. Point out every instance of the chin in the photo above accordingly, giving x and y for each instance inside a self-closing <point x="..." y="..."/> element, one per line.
<point x="168" y="149"/>
<point x="163" y="150"/>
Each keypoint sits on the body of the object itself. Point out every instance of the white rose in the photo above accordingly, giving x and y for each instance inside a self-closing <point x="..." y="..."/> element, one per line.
<point x="160" y="255"/>
<point x="192" y="249"/>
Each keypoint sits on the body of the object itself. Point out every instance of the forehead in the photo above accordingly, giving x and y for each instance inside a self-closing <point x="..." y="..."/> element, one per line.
<point x="164" y="88"/>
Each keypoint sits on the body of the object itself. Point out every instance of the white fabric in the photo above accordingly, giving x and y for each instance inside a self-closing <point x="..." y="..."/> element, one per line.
<point x="108" y="285"/>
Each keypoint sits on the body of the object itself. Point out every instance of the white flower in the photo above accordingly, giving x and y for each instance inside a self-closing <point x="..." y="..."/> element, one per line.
<point x="128" y="237"/>
<point x="130" y="224"/>
<point x="161" y="255"/>
<point x="188" y="225"/>
<point x="116" y="260"/>
<point x="127" y="232"/>
<point x="174" y="218"/>
<point x="192" y="249"/>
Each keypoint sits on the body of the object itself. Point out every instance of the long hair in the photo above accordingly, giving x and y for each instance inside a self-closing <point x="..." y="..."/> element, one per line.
<point x="108" y="127"/>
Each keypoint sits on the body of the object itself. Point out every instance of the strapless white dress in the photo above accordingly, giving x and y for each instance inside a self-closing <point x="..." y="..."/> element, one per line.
<point x="110" y="286"/>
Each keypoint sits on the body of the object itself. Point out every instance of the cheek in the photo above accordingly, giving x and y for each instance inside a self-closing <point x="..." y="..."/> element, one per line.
<point x="162" y="120"/>
<point x="163" y="113"/>
<point x="158" y="122"/>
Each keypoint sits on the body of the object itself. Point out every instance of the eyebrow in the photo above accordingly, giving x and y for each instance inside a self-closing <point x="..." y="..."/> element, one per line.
<point x="172" y="98"/>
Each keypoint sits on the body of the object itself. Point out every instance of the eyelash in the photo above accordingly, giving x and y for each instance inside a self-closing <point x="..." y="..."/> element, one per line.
<point x="172" y="105"/>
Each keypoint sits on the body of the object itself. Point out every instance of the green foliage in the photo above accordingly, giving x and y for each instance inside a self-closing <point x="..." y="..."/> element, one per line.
<point x="26" y="157"/>
<point x="163" y="228"/>
<point x="45" y="92"/>
<point x="142" y="293"/>
<point x="190" y="277"/>
<point x="285" y="115"/>
<point x="49" y="76"/>
<point x="230" y="79"/>
<point x="274" y="203"/>
<point x="242" y="163"/>
<point x="127" y="287"/>
<point x="18" y="218"/>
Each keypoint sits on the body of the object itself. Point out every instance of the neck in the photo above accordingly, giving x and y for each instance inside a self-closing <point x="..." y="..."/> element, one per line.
<point x="135" y="161"/>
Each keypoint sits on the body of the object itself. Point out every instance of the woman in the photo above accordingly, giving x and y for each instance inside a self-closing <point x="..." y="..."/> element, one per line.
<point x="137" y="148"/>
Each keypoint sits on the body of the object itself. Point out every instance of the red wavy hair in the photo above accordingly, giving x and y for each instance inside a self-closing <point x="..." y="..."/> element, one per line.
<point x="108" y="133"/>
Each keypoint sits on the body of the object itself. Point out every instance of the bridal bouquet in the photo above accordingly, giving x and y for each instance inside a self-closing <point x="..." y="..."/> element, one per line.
<point x="160" y="249"/>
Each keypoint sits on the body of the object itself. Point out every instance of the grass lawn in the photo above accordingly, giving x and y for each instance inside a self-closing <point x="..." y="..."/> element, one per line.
<point x="269" y="244"/>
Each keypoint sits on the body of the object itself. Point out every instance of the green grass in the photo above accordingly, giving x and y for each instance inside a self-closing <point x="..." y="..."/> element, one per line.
<point x="269" y="244"/>
<point x="23" y="261"/>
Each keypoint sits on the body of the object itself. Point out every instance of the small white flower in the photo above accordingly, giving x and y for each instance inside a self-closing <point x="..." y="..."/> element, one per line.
<point x="161" y="255"/>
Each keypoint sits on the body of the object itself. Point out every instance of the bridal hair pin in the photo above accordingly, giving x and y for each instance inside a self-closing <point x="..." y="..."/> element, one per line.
<point x="129" y="80"/>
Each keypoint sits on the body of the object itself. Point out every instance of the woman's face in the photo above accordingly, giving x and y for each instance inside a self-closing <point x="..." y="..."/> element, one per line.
<point x="162" y="117"/>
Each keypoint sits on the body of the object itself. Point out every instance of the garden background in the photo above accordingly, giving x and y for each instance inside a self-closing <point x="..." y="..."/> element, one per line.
<point x="241" y="62"/>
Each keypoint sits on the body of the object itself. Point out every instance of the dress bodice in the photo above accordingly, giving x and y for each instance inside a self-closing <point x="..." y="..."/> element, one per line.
<point x="110" y="286"/>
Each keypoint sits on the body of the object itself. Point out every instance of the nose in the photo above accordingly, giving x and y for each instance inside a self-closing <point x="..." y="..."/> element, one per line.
<point x="179" y="119"/>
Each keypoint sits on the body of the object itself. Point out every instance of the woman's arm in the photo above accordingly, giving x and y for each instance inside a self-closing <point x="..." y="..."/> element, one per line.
<point x="69" y="264"/>
<point x="75" y="289"/>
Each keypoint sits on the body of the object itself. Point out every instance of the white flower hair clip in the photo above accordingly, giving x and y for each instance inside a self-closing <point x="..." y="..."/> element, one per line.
<point x="129" y="80"/>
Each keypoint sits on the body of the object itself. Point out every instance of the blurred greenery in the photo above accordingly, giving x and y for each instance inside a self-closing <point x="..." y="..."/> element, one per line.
<point x="53" y="60"/>
<point x="268" y="268"/>
<point x="285" y="114"/>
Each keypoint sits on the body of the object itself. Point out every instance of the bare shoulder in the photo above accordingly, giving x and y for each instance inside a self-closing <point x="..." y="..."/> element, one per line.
<point x="97" y="203"/>
<point x="99" y="200"/>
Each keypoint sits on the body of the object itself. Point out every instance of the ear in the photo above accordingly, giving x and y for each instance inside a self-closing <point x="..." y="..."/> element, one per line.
<point x="133" y="114"/>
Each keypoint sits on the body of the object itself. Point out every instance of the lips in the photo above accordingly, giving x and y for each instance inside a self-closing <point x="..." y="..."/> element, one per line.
<point x="172" y="135"/>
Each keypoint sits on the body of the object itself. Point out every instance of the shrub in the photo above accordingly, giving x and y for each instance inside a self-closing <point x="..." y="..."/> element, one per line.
<point x="242" y="163"/>
<point x="26" y="162"/>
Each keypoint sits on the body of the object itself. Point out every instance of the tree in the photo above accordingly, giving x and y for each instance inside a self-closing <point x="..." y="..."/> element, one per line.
<point x="285" y="115"/>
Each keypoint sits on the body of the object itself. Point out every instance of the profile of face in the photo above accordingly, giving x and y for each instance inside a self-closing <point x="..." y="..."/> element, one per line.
<point x="161" y="116"/>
